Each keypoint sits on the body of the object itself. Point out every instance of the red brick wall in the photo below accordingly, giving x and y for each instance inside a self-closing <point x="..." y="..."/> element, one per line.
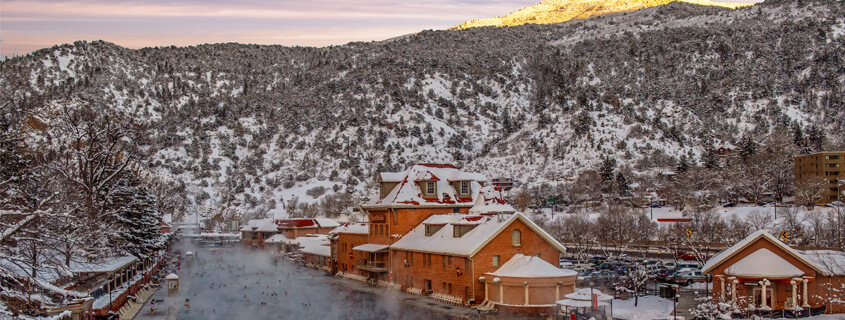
<point x="351" y="240"/>
<point x="406" y="220"/>
<point x="246" y="239"/>
<point x="436" y="272"/>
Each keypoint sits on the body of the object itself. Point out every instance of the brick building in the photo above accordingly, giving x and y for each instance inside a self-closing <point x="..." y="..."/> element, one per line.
<point x="256" y="232"/>
<point x="353" y="234"/>
<point x="829" y="166"/>
<point x="763" y="273"/>
<point x="437" y="230"/>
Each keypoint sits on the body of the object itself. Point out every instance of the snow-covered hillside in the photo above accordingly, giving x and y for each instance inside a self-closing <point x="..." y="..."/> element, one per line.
<point x="262" y="127"/>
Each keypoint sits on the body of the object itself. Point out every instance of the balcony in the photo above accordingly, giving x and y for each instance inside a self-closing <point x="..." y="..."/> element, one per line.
<point x="370" y="265"/>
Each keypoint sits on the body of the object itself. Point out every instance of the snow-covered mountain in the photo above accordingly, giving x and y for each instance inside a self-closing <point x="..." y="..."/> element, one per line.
<point x="557" y="11"/>
<point x="266" y="124"/>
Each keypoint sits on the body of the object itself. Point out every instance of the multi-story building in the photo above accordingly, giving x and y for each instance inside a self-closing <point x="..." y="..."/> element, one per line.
<point x="826" y="165"/>
<point x="437" y="230"/>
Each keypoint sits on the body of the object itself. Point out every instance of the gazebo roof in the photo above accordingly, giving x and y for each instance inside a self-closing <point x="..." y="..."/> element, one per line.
<point x="764" y="263"/>
<point x="522" y="266"/>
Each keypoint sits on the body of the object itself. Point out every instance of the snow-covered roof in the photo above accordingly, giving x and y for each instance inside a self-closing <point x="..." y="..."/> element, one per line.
<point x="522" y="266"/>
<point x="277" y="238"/>
<point x="326" y="223"/>
<point x="408" y="192"/>
<point x="750" y="239"/>
<point x="352" y="227"/>
<point x="260" y="225"/>
<point x="582" y="298"/>
<point x="832" y="262"/>
<point x="371" y="247"/>
<point x="764" y="263"/>
<point x="171" y="276"/>
<point x="585" y="294"/>
<point x="107" y="265"/>
<point x="444" y="242"/>
<point x="274" y="225"/>
<point x="491" y="200"/>
<point x="167" y="219"/>
<point x="578" y="303"/>
<point x="314" y="244"/>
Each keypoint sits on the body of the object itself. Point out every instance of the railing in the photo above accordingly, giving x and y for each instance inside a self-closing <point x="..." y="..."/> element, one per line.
<point x="371" y="265"/>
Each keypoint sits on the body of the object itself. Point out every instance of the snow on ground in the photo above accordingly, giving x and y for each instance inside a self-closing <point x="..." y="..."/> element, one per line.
<point x="669" y="212"/>
<point x="648" y="307"/>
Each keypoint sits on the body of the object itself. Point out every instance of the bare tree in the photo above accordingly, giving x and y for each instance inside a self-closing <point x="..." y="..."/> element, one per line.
<point x="809" y="190"/>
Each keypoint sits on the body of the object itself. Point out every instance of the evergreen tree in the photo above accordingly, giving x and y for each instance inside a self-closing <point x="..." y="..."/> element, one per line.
<point x="683" y="164"/>
<point x="815" y="138"/>
<point x="797" y="135"/>
<point x="137" y="220"/>
<point x="622" y="184"/>
<point x="747" y="147"/>
<point x="709" y="159"/>
<point x="608" y="165"/>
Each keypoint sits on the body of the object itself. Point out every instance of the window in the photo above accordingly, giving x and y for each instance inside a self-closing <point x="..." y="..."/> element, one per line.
<point x="832" y="165"/>
<point x="430" y="188"/>
<point x="431" y="229"/>
<point x="831" y="157"/>
<point x="450" y="288"/>
<point x="464" y="187"/>
<point x="460" y="230"/>
<point x="444" y="262"/>
<point x="495" y="261"/>
<point x="831" y="173"/>
<point x="834" y="189"/>
<point x="450" y="260"/>
<point x="381" y="230"/>
<point x="516" y="237"/>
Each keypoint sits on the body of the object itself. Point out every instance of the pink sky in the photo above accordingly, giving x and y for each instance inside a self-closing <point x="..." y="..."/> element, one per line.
<point x="26" y="26"/>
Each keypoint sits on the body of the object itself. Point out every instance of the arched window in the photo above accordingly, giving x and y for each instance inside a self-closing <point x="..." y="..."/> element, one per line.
<point x="516" y="237"/>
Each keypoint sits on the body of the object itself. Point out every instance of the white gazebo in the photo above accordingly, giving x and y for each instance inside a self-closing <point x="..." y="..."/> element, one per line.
<point x="580" y="302"/>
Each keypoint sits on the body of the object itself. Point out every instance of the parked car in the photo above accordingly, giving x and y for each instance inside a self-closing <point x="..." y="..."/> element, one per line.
<point x="670" y="265"/>
<point x="602" y="276"/>
<point x="688" y="277"/>
<point x="689" y="266"/>
<point x="663" y="274"/>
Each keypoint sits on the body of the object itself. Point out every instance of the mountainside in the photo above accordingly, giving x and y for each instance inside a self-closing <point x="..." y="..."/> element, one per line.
<point x="266" y="124"/>
<point x="557" y="11"/>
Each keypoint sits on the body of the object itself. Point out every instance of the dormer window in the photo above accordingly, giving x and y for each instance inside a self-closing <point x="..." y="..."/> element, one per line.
<point x="385" y="188"/>
<point x="460" y="230"/>
<point x="464" y="187"/>
<point x="430" y="188"/>
<point x="431" y="229"/>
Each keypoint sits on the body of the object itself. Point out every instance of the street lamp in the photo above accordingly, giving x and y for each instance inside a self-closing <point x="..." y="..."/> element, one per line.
<point x="675" y="287"/>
